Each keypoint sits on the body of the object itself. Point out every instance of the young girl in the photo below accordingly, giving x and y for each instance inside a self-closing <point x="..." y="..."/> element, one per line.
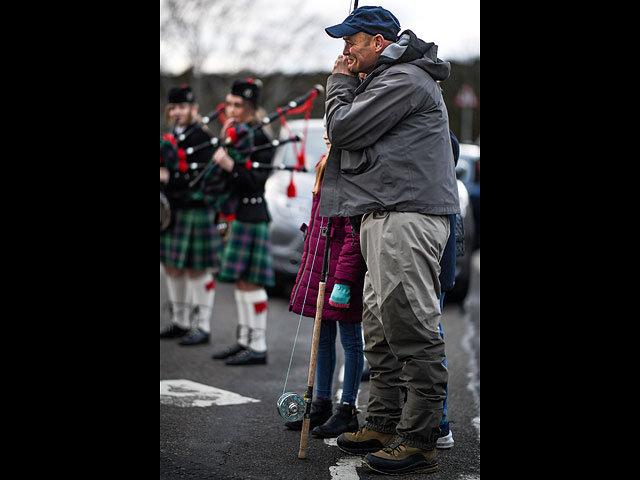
<point x="247" y="257"/>
<point x="342" y="310"/>
<point x="191" y="246"/>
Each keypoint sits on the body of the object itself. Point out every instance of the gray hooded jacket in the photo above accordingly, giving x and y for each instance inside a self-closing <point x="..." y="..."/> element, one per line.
<point x="390" y="144"/>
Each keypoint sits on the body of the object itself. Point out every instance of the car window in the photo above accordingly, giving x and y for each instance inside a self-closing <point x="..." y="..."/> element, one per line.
<point x="315" y="148"/>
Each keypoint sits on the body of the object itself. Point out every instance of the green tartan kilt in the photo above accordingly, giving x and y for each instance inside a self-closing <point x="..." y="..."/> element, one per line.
<point x="247" y="254"/>
<point x="192" y="240"/>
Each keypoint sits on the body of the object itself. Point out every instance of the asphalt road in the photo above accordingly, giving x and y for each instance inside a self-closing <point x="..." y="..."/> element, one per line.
<point x="236" y="432"/>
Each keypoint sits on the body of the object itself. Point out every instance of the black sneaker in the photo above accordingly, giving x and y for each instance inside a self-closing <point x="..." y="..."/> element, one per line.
<point x="248" y="357"/>
<point x="344" y="420"/>
<point x="229" y="352"/>
<point x="173" y="331"/>
<point x="400" y="459"/>
<point x="195" y="337"/>
<point x="320" y="413"/>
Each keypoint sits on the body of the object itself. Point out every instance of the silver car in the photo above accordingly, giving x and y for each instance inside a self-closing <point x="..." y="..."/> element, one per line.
<point x="288" y="214"/>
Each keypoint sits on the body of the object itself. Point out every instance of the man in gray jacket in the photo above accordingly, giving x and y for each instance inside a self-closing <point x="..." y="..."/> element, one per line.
<point x="391" y="170"/>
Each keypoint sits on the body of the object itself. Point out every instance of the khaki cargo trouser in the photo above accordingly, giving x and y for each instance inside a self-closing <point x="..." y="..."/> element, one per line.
<point x="400" y="323"/>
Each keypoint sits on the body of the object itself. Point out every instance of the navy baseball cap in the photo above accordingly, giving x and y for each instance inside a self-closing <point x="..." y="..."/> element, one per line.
<point x="368" y="19"/>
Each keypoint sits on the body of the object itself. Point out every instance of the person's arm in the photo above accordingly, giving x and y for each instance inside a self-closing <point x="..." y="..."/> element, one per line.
<point x="358" y="121"/>
<point x="350" y="265"/>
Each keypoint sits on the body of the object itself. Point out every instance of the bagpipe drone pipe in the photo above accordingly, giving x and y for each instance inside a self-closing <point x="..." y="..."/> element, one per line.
<point x="239" y="137"/>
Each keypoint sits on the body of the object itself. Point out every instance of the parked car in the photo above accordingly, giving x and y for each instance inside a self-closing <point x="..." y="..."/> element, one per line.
<point x="468" y="171"/>
<point x="288" y="214"/>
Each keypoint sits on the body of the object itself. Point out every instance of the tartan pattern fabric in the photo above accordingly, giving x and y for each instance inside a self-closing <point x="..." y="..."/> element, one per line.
<point x="192" y="240"/>
<point x="247" y="254"/>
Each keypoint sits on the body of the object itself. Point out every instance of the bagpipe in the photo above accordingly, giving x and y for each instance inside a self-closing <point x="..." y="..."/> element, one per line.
<point x="237" y="135"/>
<point x="189" y="174"/>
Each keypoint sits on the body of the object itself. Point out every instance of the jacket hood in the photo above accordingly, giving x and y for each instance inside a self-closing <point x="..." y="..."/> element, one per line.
<point x="410" y="49"/>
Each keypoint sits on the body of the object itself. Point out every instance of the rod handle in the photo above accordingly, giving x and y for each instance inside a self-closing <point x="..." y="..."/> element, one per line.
<point x="304" y="437"/>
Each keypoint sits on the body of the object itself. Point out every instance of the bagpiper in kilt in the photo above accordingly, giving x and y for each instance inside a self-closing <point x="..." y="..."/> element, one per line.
<point x="191" y="247"/>
<point x="247" y="258"/>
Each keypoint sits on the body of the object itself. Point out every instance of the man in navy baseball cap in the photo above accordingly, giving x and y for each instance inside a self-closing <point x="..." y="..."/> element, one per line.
<point x="366" y="32"/>
<point x="368" y="19"/>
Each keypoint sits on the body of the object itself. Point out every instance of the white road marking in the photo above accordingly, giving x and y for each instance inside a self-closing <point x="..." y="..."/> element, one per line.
<point x="473" y="384"/>
<point x="332" y="442"/>
<point x="346" y="469"/>
<point x="185" y="393"/>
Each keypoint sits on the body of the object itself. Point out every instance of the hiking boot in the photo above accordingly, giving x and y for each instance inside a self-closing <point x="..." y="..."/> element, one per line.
<point x="399" y="459"/>
<point x="320" y="413"/>
<point x="364" y="441"/>
<point x="344" y="420"/>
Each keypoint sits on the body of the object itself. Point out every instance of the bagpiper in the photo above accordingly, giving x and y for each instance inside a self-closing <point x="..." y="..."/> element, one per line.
<point x="191" y="247"/>
<point x="247" y="259"/>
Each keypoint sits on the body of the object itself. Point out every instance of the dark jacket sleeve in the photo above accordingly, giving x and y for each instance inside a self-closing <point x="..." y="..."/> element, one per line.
<point x="351" y="263"/>
<point x="356" y="122"/>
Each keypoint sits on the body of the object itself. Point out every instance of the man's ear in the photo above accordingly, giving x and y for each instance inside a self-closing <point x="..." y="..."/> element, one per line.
<point x="379" y="42"/>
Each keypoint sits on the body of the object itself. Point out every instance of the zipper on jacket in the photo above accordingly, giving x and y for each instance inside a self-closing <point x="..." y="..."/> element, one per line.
<point x="310" y="236"/>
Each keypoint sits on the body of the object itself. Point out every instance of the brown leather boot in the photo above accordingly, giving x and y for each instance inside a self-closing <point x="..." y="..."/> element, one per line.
<point x="364" y="441"/>
<point x="400" y="459"/>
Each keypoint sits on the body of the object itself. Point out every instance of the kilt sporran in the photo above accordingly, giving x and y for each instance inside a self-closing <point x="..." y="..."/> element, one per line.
<point x="165" y="212"/>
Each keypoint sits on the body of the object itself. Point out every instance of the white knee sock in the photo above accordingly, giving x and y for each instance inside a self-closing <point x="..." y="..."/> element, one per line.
<point x="204" y="294"/>
<point x="178" y="296"/>
<point x="256" y="301"/>
<point x="243" y="320"/>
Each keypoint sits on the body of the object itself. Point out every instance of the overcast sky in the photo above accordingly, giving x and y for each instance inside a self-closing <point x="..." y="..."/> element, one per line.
<point x="263" y="37"/>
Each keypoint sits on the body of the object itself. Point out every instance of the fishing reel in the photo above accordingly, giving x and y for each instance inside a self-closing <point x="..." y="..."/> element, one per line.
<point x="291" y="406"/>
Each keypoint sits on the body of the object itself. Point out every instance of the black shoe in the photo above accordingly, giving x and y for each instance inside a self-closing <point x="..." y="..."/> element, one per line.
<point x="232" y="350"/>
<point x="173" y="331"/>
<point x="248" y="357"/>
<point x="344" y="420"/>
<point x="320" y="413"/>
<point x="195" y="337"/>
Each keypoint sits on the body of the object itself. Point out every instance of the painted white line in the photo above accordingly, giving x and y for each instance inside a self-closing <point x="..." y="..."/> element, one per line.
<point x="473" y="384"/>
<point x="476" y="423"/>
<point x="346" y="469"/>
<point x="185" y="393"/>
<point x="332" y="442"/>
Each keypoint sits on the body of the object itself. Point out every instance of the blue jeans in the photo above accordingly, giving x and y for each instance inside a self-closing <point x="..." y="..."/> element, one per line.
<point x="444" y="422"/>
<point x="351" y="339"/>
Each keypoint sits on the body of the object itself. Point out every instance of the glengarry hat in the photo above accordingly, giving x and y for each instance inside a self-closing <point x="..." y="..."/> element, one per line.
<point x="181" y="94"/>
<point x="248" y="89"/>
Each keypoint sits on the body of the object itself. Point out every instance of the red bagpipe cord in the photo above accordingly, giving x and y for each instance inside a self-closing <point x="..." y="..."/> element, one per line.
<point x="221" y="115"/>
<point x="305" y="107"/>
